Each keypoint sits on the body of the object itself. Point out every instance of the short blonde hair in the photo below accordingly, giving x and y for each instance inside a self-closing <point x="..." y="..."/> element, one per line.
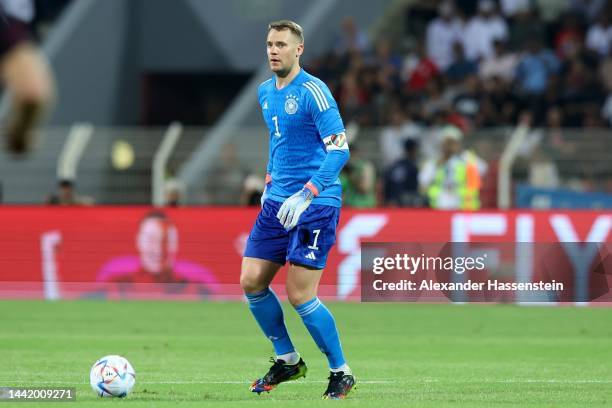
<point x="294" y="27"/>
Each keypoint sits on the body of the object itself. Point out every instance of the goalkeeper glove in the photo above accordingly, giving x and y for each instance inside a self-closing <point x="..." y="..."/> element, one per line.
<point x="293" y="207"/>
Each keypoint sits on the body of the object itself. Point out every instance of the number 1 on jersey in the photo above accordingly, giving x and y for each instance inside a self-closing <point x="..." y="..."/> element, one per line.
<point x="275" y="119"/>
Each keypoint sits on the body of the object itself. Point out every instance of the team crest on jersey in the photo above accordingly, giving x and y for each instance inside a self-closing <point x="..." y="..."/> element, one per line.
<point x="291" y="104"/>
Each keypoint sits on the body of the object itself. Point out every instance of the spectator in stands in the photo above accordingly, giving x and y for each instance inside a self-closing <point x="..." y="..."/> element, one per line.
<point x="351" y="39"/>
<point x="353" y="97"/>
<point x="498" y="104"/>
<point x="66" y="195"/>
<point x="599" y="36"/>
<point x="501" y="64"/>
<point x="568" y="37"/>
<point x="442" y="32"/>
<point x="393" y="136"/>
<point x="589" y="9"/>
<point x="252" y="190"/>
<point x="434" y="99"/>
<point x="468" y="99"/>
<point x="401" y="187"/>
<point x="24" y="72"/>
<point x="173" y="192"/>
<point x="452" y="180"/>
<point x="359" y="181"/>
<point x="550" y="10"/>
<point x="482" y="30"/>
<point x="510" y="8"/>
<point x="525" y="25"/>
<point x="418" y="70"/>
<point x="461" y="67"/>
<point x="535" y="69"/>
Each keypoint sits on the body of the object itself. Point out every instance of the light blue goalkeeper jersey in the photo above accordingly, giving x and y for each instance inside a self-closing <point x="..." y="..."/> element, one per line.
<point x="307" y="139"/>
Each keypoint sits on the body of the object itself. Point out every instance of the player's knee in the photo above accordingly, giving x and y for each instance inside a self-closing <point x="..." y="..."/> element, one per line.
<point x="298" y="296"/>
<point x="250" y="282"/>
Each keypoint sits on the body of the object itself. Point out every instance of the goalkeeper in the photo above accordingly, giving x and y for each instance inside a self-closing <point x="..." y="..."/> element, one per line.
<point x="300" y="211"/>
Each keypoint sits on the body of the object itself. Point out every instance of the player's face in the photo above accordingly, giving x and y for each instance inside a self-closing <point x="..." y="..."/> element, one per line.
<point x="156" y="243"/>
<point x="283" y="50"/>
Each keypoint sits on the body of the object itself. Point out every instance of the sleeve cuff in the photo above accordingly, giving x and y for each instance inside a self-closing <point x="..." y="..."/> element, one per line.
<point x="310" y="186"/>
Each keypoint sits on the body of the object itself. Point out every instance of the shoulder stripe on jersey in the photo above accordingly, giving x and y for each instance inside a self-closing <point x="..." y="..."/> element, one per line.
<point x="314" y="95"/>
<point x="318" y="95"/>
<point x="267" y="80"/>
<point x="322" y="95"/>
<point x="318" y="90"/>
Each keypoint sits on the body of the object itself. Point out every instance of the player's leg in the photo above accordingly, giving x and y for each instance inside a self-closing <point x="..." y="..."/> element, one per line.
<point x="302" y="287"/>
<point x="310" y="243"/>
<point x="265" y="254"/>
<point x="255" y="279"/>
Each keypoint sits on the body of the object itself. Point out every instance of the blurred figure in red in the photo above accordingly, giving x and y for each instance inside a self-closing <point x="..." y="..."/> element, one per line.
<point x="24" y="72"/>
<point x="157" y="243"/>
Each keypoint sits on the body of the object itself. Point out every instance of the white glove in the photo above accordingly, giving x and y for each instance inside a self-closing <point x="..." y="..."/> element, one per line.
<point x="293" y="207"/>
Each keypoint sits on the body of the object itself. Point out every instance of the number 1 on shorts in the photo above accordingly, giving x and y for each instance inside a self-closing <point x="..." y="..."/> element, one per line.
<point x="316" y="237"/>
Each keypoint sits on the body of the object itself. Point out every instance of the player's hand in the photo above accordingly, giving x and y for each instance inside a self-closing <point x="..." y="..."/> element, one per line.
<point x="293" y="207"/>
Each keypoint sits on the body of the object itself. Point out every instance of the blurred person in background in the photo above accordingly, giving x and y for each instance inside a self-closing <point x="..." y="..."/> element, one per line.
<point x="418" y="69"/>
<point x="482" y="30"/>
<point x="510" y="8"/>
<point x="351" y="38"/>
<point x="252" y="190"/>
<point x="442" y="33"/>
<point x="461" y="67"/>
<point x="452" y="181"/>
<point x="534" y="71"/>
<point x="599" y="36"/>
<point x="24" y="72"/>
<point x="173" y="192"/>
<point x="392" y="138"/>
<point x="402" y="179"/>
<point x="157" y="243"/>
<point x="501" y="64"/>
<point x="359" y="181"/>
<point x="66" y="195"/>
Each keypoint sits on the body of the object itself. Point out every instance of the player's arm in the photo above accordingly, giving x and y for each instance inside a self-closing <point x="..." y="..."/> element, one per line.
<point x="268" y="179"/>
<point x="337" y="156"/>
<point x="327" y="119"/>
<point x="329" y="125"/>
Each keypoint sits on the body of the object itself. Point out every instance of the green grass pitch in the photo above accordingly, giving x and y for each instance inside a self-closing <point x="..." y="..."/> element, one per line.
<point x="206" y="354"/>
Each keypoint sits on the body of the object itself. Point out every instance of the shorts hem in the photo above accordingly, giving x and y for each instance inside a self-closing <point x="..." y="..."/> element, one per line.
<point x="302" y="263"/>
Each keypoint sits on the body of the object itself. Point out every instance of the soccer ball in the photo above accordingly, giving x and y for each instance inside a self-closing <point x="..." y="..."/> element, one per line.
<point x="112" y="376"/>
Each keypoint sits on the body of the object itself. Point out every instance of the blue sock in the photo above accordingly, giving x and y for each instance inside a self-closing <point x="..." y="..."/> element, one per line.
<point x="267" y="310"/>
<point x="322" y="327"/>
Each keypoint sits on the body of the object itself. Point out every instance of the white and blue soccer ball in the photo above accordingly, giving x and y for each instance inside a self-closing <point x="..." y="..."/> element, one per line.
<point x="112" y="376"/>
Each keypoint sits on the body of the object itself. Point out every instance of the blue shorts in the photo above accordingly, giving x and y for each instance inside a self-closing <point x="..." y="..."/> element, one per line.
<point x="306" y="244"/>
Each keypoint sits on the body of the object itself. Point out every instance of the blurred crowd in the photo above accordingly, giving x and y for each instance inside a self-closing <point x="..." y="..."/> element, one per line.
<point x="480" y="69"/>
<point x="461" y="67"/>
